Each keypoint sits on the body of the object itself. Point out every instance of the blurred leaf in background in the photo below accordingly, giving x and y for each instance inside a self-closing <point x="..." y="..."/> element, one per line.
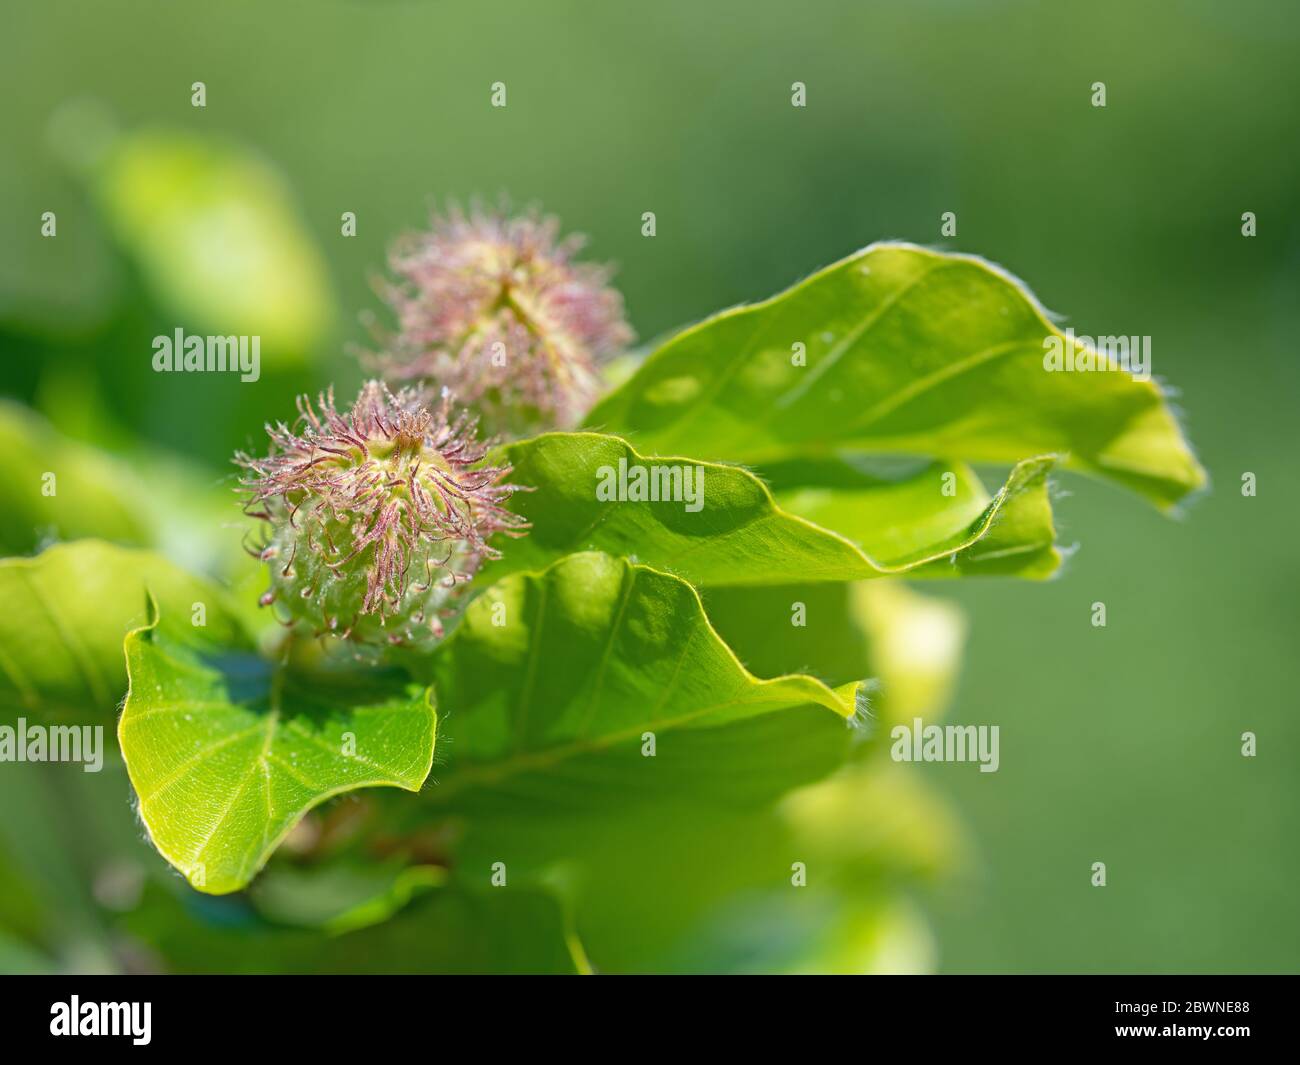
<point x="214" y="231"/>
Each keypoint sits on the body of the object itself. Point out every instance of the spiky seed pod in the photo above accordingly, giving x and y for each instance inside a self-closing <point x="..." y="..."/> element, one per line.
<point x="496" y="309"/>
<point x="376" y="516"/>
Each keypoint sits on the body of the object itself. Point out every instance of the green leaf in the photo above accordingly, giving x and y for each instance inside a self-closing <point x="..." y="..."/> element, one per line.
<point x="56" y="488"/>
<point x="617" y="833"/>
<point x="916" y="649"/>
<point x="907" y="351"/>
<point x="738" y="534"/>
<point x="910" y="644"/>
<point x="809" y="931"/>
<point x="341" y="896"/>
<point x="215" y="233"/>
<point x="555" y="679"/>
<point x="227" y="753"/>
<point x="876" y="817"/>
<point x="451" y="930"/>
<point x="64" y="613"/>
<point x="935" y="522"/>
<point x="645" y="884"/>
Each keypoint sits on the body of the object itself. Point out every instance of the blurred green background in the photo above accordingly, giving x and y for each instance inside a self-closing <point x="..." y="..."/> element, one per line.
<point x="1119" y="744"/>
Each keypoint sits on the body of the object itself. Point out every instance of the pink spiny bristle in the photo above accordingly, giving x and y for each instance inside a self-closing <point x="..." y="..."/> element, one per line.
<point x="395" y="488"/>
<point x="484" y="284"/>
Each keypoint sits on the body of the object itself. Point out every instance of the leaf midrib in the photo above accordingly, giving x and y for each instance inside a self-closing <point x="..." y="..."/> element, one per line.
<point x="869" y="321"/>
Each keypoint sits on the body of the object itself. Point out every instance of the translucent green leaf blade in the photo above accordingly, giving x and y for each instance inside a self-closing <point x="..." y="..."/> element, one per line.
<point x="67" y="611"/>
<point x="227" y="754"/>
<point x="58" y="488"/>
<point x="555" y="678"/>
<point x="740" y="535"/>
<point x="905" y="350"/>
<point x="937" y="522"/>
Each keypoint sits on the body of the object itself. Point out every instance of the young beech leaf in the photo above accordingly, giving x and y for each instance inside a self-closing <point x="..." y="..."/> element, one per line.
<point x="217" y="239"/>
<point x="342" y="895"/>
<point x="57" y="487"/>
<point x="903" y="350"/>
<point x="67" y="610"/>
<point x="739" y="535"/>
<point x="557" y="677"/>
<point x="923" y="531"/>
<point x="226" y="752"/>
<point x="910" y="643"/>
